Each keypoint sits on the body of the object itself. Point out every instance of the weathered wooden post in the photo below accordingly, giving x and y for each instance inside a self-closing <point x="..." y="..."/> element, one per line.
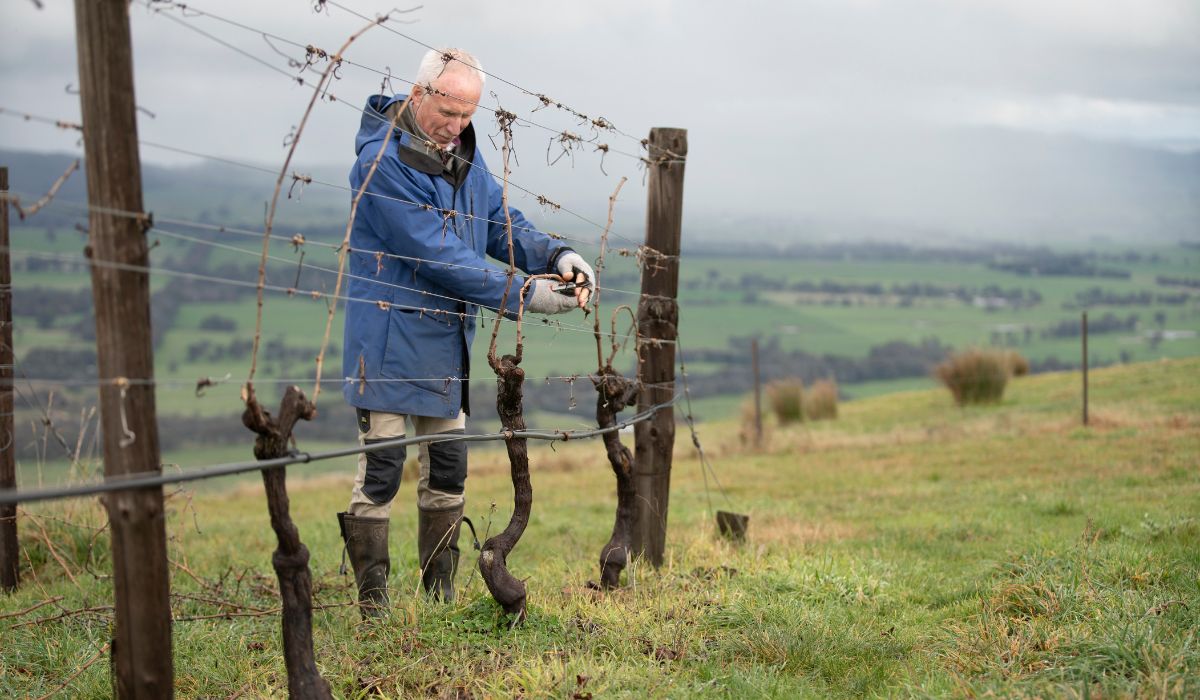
<point x="10" y="570"/>
<point x="758" y="432"/>
<point x="658" y="316"/>
<point x="121" y="295"/>
<point x="1084" y="334"/>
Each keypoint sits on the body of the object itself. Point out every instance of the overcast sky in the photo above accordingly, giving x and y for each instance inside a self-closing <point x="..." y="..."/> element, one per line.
<point x="972" y="117"/>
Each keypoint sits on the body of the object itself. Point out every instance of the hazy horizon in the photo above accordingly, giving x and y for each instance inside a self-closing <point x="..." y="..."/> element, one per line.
<point x="990" y="120"/>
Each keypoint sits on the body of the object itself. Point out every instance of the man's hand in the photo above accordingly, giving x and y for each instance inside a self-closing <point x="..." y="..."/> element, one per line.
<point x="574" y="268"/>
<point x="542" y="299"/>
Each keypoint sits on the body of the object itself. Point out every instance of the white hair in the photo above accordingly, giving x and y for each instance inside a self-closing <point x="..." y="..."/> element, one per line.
<point x="436" y="61"/>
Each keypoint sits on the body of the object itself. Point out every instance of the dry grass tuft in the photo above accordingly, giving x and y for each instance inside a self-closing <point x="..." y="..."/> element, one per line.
<point x="786" y="398"/>
<point x="1018" y="366"/>
<point x="974" y="376"/>
<point x="821" y="400"/>
<point x="1025" y="600"/>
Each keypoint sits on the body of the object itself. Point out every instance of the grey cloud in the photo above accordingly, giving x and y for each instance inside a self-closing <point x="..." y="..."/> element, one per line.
<point x="827" y="108"/>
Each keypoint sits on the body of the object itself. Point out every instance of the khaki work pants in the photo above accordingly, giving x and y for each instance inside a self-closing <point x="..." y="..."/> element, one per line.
<point x="379" y="472"/>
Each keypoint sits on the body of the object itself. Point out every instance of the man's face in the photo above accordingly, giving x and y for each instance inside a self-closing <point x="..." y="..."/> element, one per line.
<point x="444" y="116"/>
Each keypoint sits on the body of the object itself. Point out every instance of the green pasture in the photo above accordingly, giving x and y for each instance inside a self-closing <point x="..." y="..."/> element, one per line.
<point x="907" y="549"/>
<point x="564" y="346"/>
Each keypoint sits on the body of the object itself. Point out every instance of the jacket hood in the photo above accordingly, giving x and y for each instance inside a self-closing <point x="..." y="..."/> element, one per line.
<point x="374" y="123"/>
<point x="373" y="127"/>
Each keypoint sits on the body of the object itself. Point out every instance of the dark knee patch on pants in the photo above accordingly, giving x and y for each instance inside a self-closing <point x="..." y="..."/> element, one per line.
<point x="448" y="465"/>
<point x="384" y="469"/>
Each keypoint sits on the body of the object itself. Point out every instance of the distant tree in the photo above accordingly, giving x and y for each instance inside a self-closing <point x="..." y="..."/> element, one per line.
<point x="59" y="363"/>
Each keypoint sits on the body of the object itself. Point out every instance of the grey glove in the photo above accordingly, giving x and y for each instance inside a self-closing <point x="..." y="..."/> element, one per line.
<point x="542" y="299"/>
<point x="571" y="265"/>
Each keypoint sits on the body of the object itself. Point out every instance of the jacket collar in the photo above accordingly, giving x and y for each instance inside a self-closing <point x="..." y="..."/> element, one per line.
<point x="419" y="154"/>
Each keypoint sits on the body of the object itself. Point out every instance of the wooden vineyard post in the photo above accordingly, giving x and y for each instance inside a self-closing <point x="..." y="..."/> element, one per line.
<point x="121" y="295"/>
<point x="658" y="316"/>
<point x="758" y="430"/>
<point x="10" y="569"/>
<point x="1083" y="331"/>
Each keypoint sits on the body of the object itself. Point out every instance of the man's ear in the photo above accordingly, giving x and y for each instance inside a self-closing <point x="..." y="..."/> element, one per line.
<point x="417" y="93"/>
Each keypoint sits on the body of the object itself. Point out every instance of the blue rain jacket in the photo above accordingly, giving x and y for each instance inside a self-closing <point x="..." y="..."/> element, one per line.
<point x="415" y="316"/>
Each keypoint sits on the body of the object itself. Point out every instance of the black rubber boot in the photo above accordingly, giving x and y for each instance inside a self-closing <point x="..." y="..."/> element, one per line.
<point x="367" y="544"/>
<point x="437" y="545"/>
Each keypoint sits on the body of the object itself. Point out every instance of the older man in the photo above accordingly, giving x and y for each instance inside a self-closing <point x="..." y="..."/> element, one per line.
<point x="431" y="215"/>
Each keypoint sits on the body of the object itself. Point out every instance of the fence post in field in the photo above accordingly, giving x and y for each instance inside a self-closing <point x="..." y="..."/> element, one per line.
<point x="10" y="570"/>
<point x="758" y="433"/>
<point x="658" y="315"/>
<point x="1084" y="334"/>
<point x="117" y="248"/>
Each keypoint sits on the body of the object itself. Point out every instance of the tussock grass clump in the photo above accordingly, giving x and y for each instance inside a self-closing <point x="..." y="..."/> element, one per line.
<point x="1018" y="366"/>
<point x="786" y="398"/>
<point x="821" y="400"/>
<point x="974" y="376"/>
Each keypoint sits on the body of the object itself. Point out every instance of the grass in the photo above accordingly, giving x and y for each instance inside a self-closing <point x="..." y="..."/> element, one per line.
<point x="910" y="548"/>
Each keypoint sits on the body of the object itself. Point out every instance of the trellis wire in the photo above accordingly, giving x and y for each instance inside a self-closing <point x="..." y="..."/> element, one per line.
<point x="120" y="484"/>
<point x="290" y="240"/>
<point x="289" y="291"/>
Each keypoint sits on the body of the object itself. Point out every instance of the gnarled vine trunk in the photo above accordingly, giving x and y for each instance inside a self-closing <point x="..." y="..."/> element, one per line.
<point x="291" y="557"/>
<point x="613" y="393"/>
<point x="508" y="590"/>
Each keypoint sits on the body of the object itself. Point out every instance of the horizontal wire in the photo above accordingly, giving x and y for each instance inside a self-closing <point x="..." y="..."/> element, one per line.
<point x="282" y="238"/>
<point x="310" y="266"/>
<point x="172" y="382"/>
<point x="363" y="251"/>
<point x="292" y="291"/>
<point x="193" y="10"/>
<point x="258" y="255"/>
<point x="468" y="162"/>
<point x="137" y="481"/>
<point x="25" y="116"/>
<point x="391" y="285"/>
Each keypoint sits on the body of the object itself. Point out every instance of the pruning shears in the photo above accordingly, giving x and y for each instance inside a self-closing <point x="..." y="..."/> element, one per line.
<point x="568" y="288"/>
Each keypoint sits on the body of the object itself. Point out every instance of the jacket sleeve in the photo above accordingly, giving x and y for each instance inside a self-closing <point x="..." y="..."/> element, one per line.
<point x="533" y="251"/>
<point x="412" y="230"/>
